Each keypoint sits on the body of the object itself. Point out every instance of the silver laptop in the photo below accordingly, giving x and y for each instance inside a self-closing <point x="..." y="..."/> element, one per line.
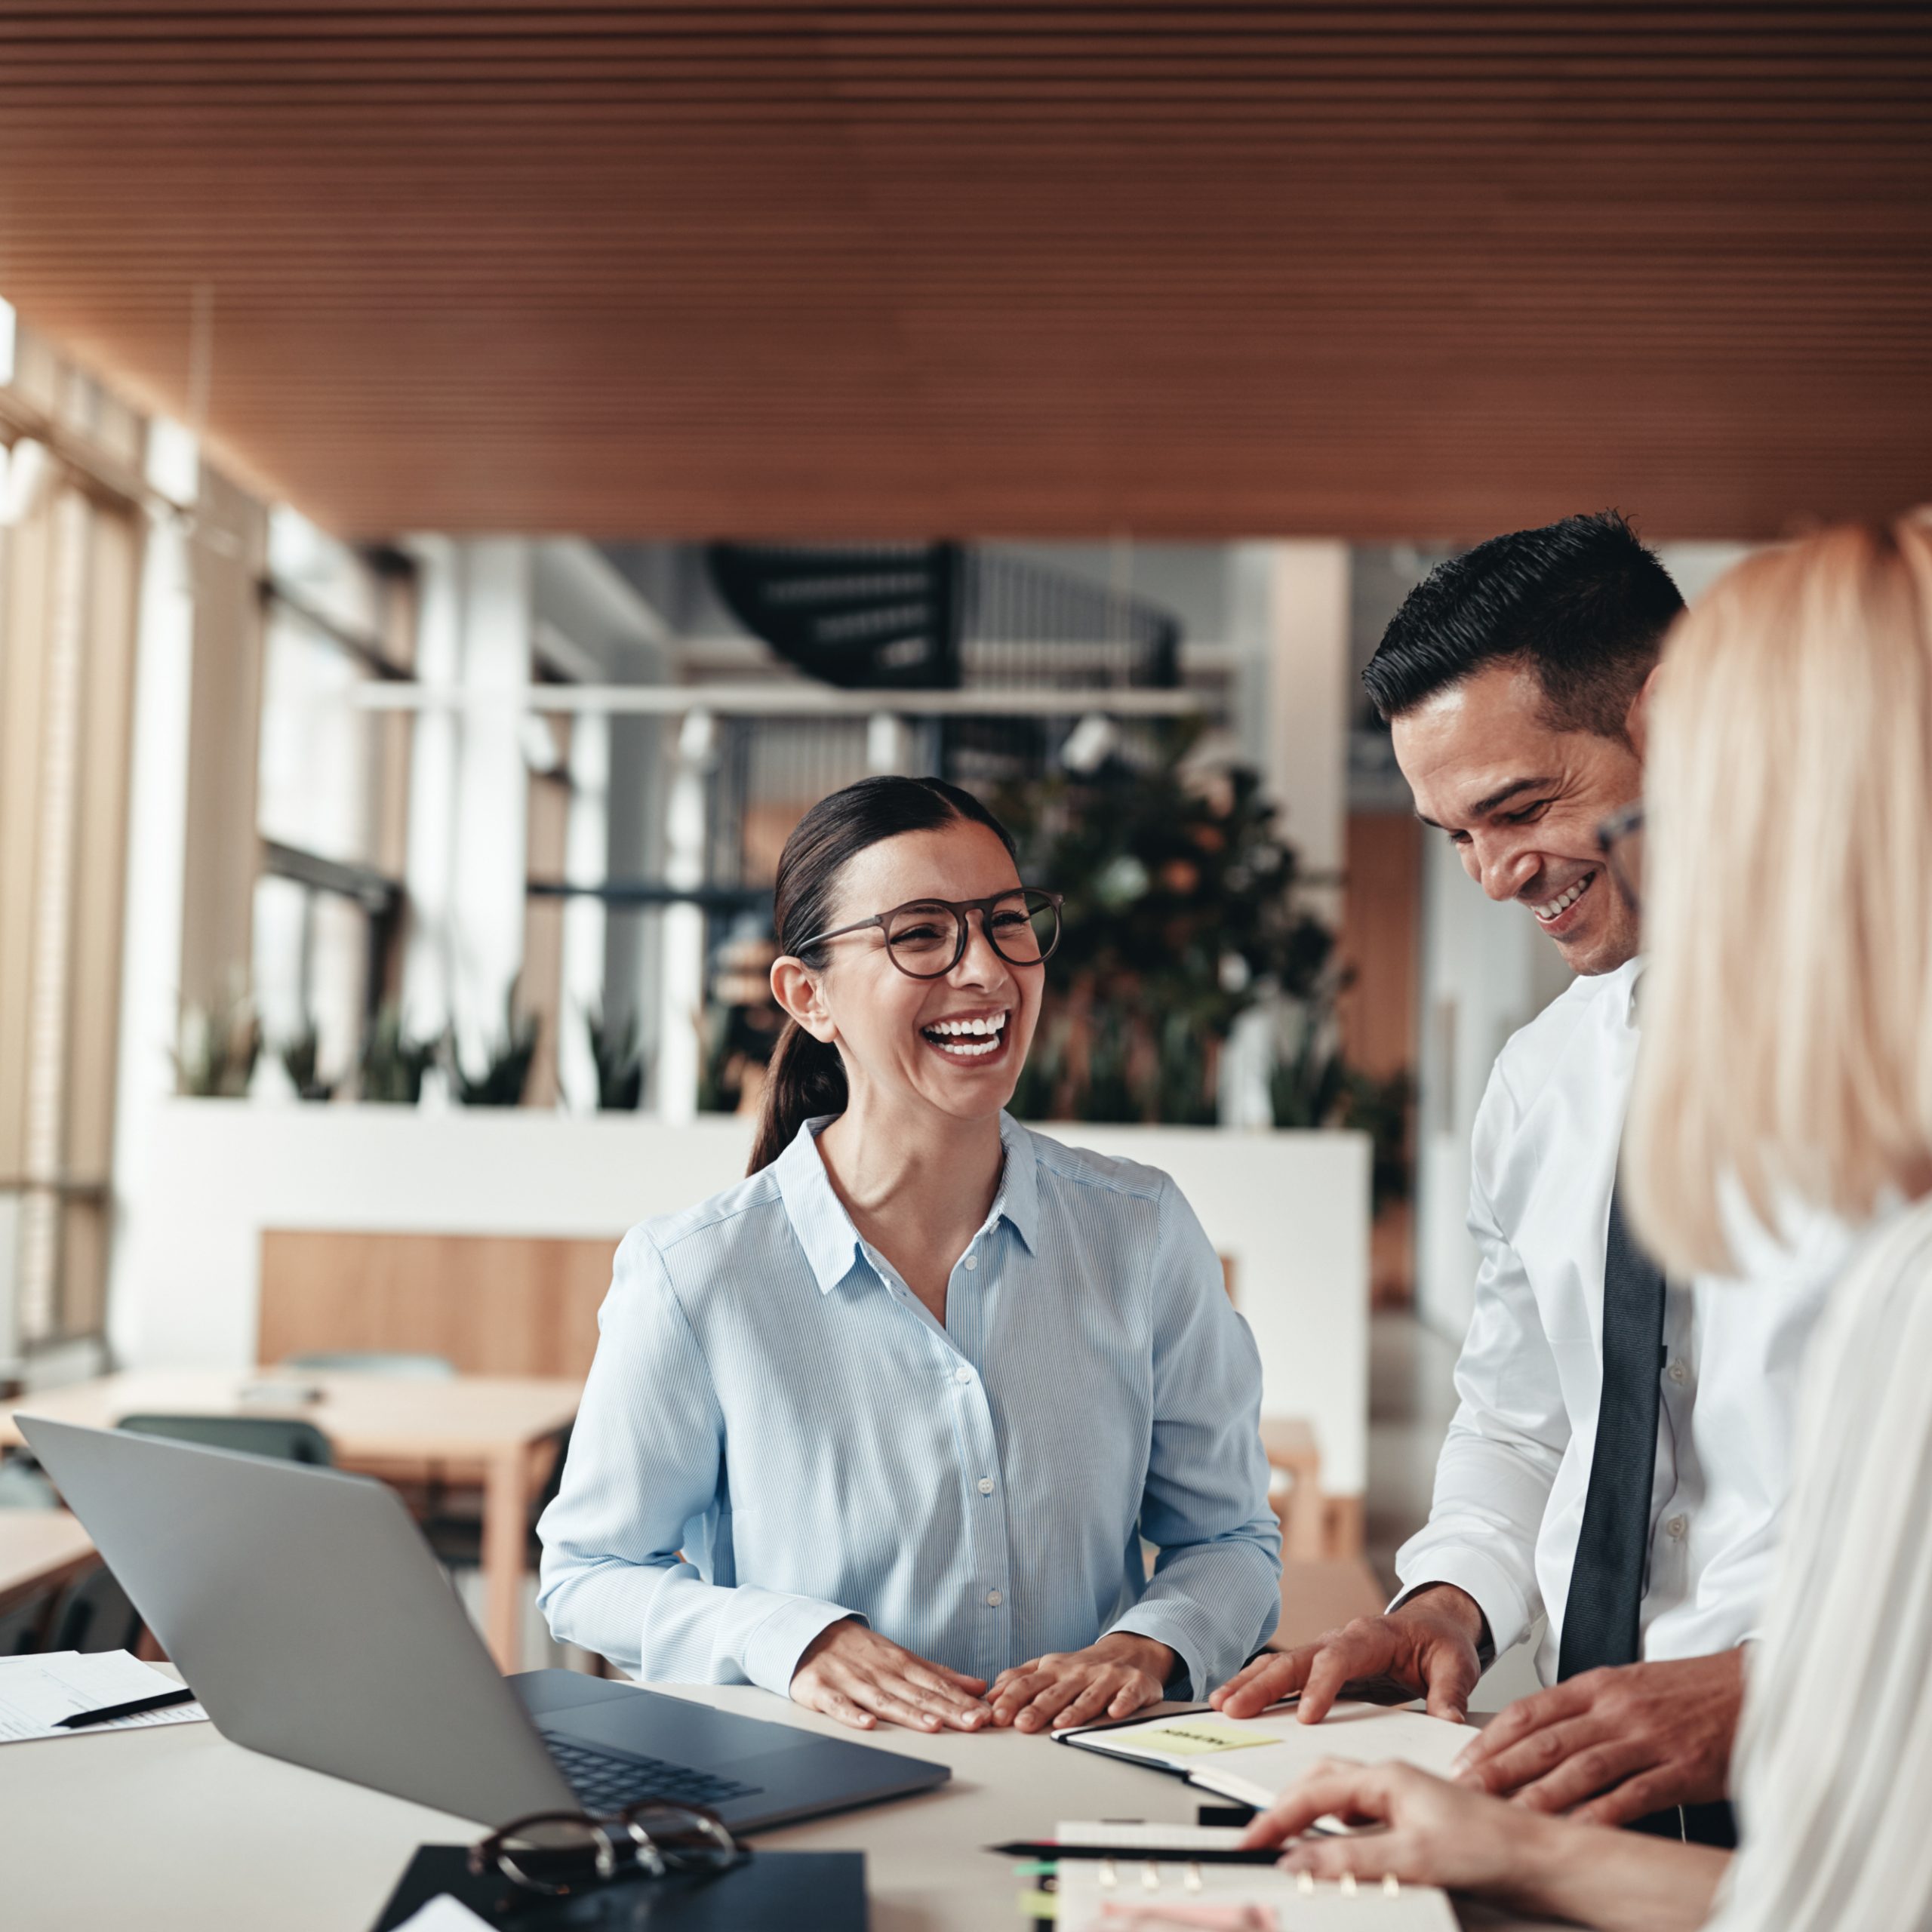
<point x="313" y="1621"/>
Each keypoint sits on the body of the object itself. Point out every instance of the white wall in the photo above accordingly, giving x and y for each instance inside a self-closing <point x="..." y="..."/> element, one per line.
<point x="1290" y="1210"/>
<point x="157" y="848"/>
<point x="1486" y="970"/>
<point x="493" y="792"/>
<point x="1291" y="604"/>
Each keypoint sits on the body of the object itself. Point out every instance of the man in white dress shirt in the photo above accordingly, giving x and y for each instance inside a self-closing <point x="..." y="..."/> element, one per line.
<point x="1514" y="680"/>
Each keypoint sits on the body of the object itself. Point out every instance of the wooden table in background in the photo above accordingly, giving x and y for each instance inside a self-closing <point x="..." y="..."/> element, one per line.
<point x="40" y="1549"/>
<point x="498" y="1431"/>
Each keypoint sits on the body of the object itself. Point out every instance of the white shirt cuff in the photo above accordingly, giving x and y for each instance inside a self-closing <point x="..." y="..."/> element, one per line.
<point x="773" y="1650"/>
<point x="1481" y="1579"/>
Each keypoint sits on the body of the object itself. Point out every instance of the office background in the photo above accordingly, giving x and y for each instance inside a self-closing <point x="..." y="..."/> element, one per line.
<point x="470" y="481"/>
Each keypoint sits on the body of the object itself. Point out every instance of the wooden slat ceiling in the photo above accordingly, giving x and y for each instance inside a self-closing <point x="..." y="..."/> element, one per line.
<point x="780" y="270"/>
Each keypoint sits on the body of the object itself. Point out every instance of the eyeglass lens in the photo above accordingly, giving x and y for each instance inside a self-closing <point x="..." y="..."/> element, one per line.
<point x="554" y="1854"/>
<point x="558" y="1853"/>
<point x="1626" y="863"/>
<point x="928" y="939"/>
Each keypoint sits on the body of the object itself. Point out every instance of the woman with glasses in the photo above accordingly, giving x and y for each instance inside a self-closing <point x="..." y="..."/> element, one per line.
<point x="883" y="1427"/>
<point x="1786" y="1061"/>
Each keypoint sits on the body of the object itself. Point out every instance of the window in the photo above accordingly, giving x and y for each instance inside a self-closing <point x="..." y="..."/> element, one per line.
<point x="331" y="794"/>
<point x="69" y="561"/>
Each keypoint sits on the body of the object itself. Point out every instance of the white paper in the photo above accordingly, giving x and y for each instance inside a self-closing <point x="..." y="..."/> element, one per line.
<point x="1115" y="1834"/>
<point x="442" y="1914"/>
<point x="36" y="1690"/>
<point x="1367" y="1733"/>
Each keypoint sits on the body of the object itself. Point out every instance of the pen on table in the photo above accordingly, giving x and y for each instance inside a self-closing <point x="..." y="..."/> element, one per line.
<point x="108" y="1713"/>
<point x="1137" y="1854"/>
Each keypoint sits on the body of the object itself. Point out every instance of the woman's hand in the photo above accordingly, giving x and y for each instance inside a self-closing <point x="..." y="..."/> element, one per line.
<point x="1114" y="1678"/>
<point x="1437" y="1833"/>
<point x="853" y="1674"/>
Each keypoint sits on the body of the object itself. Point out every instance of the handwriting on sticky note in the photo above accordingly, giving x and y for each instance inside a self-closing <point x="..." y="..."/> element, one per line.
<point x="1197" y="1738"/>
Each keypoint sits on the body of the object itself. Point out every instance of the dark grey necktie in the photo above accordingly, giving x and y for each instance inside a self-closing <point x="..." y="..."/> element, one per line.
<point x="1600" y="1620"/>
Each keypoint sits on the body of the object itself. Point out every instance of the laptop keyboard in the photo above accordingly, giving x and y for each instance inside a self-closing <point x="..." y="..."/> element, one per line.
<point x="604" y="1781"/>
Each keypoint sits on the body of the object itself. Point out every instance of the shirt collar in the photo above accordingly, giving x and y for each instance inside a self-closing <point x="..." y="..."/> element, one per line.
<point x="825" y="1230"/>
<point x="1018" y="1200"/>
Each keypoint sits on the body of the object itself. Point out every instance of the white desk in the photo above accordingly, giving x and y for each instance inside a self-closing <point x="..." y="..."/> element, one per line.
<point x="175" y="1829"/>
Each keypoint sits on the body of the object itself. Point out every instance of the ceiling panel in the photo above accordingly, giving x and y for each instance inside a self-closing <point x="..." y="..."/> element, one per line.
<point x="789" y="270"/>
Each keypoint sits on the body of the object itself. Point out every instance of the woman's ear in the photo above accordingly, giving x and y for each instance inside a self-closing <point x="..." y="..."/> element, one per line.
<point x="795" y="987"/>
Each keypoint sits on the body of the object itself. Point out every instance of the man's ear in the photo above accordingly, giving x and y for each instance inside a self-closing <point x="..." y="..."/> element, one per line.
<point x="795" y="987"/>
<point x="1637" y="720"/>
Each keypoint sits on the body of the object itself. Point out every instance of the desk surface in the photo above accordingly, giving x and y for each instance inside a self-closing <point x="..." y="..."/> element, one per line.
<point x="367" y="1417"/>
<point x="175" y="1829"/>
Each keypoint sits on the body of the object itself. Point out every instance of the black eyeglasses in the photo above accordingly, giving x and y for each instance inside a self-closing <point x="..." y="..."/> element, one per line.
<point x="557" y="1852"/>
<point x="926" y="938"/>
<point x="1620" y="839"/>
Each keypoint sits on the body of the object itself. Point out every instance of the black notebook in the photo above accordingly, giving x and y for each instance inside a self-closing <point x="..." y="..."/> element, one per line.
<point x="796" y="1891"/>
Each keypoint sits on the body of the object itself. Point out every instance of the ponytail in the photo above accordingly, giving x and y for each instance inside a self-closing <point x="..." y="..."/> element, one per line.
<point x="806" y="1078"/>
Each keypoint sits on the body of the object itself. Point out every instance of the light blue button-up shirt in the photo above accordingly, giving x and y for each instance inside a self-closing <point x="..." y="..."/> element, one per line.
<point x="776" y="1434"/>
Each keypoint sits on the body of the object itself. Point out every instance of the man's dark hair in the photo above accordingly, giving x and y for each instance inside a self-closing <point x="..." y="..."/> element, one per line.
<point x="1581" y="602"/>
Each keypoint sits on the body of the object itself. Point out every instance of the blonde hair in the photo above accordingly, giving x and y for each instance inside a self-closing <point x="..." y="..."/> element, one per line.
<point x="1786" y="1009"/>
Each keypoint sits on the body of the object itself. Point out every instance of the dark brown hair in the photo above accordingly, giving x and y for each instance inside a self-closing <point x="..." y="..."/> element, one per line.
<point x="807" y="1077"/>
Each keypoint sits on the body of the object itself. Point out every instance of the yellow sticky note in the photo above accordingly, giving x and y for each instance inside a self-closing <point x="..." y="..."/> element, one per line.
<point x="1198" y="1737"/>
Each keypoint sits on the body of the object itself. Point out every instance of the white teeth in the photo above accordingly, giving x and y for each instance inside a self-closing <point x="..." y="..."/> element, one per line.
<point x="1564" y="901"/>
<point x="952" y="1036"/>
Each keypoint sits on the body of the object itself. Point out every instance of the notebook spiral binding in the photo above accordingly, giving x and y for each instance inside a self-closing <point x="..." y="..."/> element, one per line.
<point x="1107" y="1876"/>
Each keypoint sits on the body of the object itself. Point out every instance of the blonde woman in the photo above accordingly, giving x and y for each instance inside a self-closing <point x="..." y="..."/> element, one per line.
<point x="1787" y="1058"/>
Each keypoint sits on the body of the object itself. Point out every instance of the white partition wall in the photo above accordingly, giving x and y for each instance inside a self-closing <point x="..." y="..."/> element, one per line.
<point x="1289" y="1210"/>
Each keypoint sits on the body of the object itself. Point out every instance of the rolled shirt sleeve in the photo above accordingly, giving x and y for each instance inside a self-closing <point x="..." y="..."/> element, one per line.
<point x="1215" y="1596"/>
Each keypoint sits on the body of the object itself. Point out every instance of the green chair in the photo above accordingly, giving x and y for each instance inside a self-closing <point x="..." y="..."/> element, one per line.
<point x="23" y="1487"/>
<point x="404" y="1367"/>
<point x="286" y="1438"/>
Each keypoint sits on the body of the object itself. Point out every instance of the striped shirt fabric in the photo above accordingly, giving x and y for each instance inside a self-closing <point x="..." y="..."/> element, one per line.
<point x="776" y="1435"/>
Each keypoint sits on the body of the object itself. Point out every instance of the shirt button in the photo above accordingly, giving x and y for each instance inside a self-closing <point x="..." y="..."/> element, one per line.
<point x="972" y="1262"/>
<point x="994" y="1599"/>
<point x="1679" y="1373"/>
<point x="985" y="1485"/>
<point x="962" y="1373"/>
<point x="1677" y="1526"/>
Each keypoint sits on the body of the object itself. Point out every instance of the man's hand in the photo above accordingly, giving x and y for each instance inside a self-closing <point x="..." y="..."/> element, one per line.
<point x="854" y="1675"/>
<point x="1609" y="1745"/>
<point x="1425" y="1649"/>
<point x="1114" y="1678"/>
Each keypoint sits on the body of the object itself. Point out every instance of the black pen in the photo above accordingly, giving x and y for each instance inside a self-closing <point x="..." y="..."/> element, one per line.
<point x="1138" y="1854"/>
<point x="109" y="1712"/>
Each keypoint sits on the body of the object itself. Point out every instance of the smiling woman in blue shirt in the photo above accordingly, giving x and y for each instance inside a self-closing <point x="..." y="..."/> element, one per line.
<point x="883" y="1428"/>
